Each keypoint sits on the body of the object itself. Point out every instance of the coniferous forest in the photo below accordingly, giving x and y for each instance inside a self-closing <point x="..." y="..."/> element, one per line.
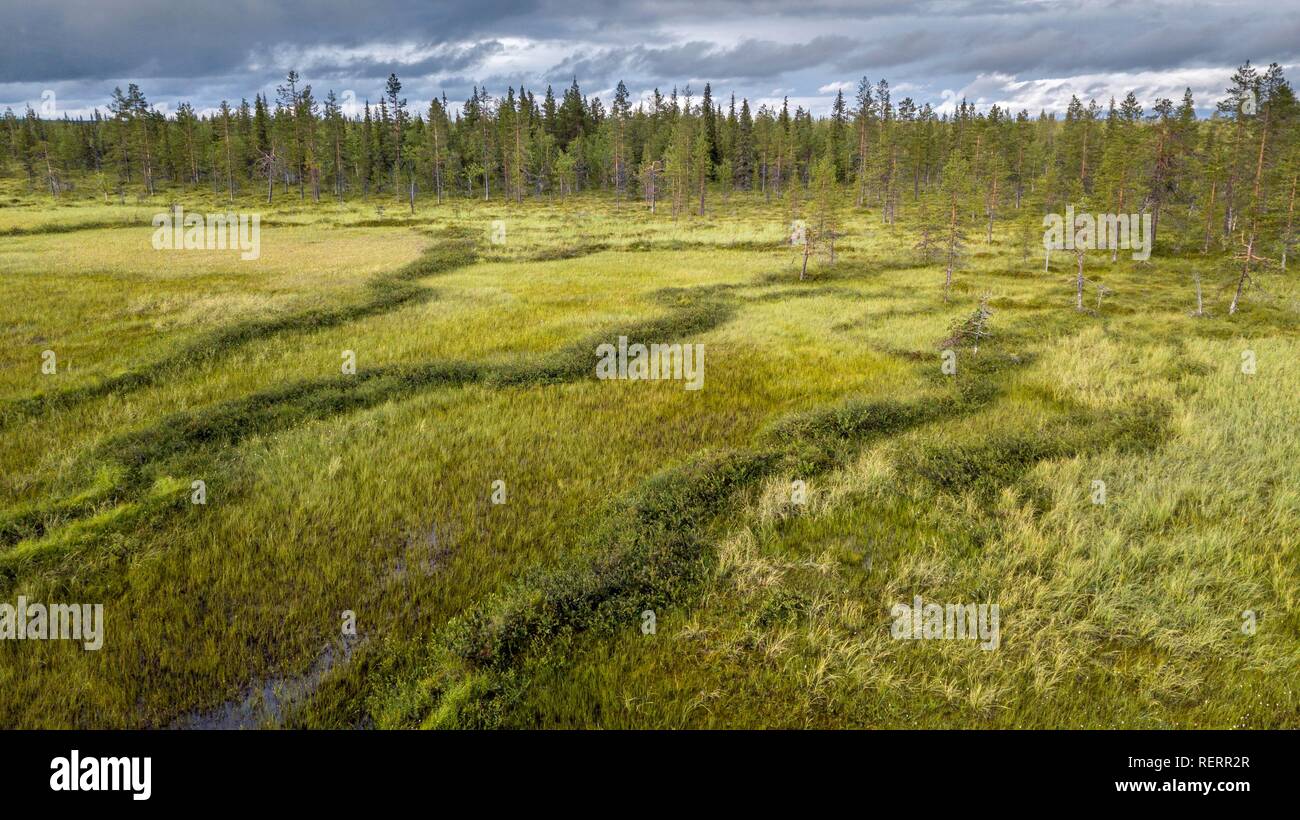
<point x="1226" y="184"/>
<point x="1203" y="181"/>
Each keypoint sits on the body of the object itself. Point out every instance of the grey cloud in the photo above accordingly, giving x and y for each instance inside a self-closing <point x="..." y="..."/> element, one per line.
<point x="747" y="60"/>
<point x="88" y="39"/>
<point x="441" y="59"/>
<point x="750" y="46"/>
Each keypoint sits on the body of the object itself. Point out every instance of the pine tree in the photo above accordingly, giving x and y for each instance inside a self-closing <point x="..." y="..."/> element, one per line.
<point x="709" y="131"/>
<point x="823" y="226"/>
<point x="1120" y="158"/>
<point x="621" y="113"/>
<point x="287" y="118"/>
<point x="955" y="188"/>
<point x="864" y="117"/>
<point x="701" y="164"/>
<point x="1029" y="221"/>
<point x="1083" y="203"/>
<point x="396" y="106"/>
<point x="651" y="168"/>
<point x="228" y="150"/>
<point x="436" y="137"/>
<point x="1276" y="108"/>
<point x="677" y="165"/>
<point x="570" y="123"/>
<point x="743" y="168"/>
<point x="366" y="159"/>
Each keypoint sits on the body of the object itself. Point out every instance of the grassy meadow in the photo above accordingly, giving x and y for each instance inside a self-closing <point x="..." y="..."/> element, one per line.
<point x="373" y="492"/>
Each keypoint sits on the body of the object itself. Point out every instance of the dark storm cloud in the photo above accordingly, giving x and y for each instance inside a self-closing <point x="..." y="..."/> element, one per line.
<point x="206" y="52"/>
<point x="87" y="39"/>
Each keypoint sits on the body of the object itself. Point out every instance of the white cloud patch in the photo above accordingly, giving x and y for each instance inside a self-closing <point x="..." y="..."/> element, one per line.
<point x="831" y="88"/>
<point x="1052" y="94"/>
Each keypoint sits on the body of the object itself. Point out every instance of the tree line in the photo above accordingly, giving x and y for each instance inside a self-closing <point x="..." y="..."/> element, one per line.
<point x="1223" y="184"/>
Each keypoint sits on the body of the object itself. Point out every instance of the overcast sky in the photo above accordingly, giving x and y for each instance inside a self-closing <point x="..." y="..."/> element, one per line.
<point x="1024" y="53"/>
